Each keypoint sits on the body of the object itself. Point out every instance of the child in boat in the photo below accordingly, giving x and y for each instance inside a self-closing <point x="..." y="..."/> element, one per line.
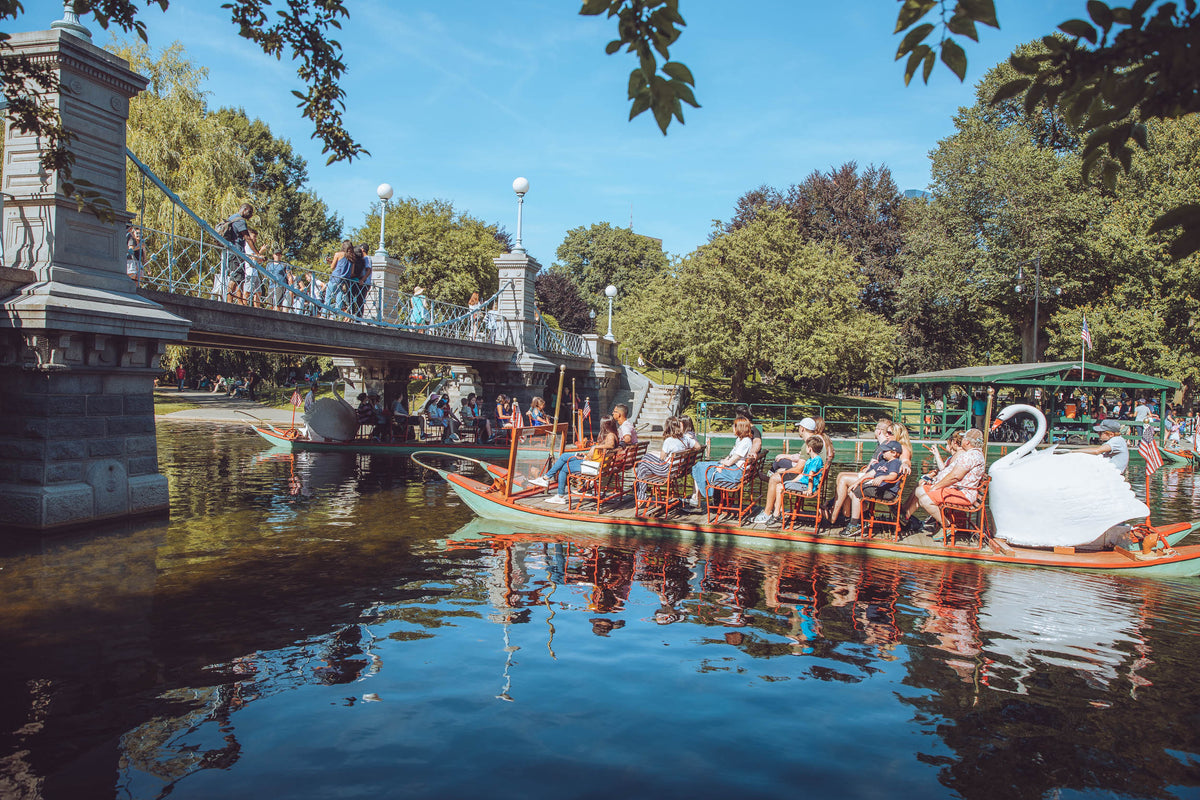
<point x="573" y="462"/>
<point x="879" y="483"/>
<point x="807" y="481"/>
<point x="689" y="433"/>
<point x="537" y="411"/>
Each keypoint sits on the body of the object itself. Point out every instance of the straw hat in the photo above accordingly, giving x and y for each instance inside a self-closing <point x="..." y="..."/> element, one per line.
<point x="418" y="291"/>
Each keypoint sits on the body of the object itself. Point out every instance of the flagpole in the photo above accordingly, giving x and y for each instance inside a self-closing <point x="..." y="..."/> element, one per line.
<point x="1082" y="347"/>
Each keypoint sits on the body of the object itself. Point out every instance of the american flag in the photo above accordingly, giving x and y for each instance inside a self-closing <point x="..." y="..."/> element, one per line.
<point x="1149" y="450"/>
<point x="517" y="420"/>
<point x="587" y="408"/>
<point x="1086" y="334"/>
<point x="297" y="400"/>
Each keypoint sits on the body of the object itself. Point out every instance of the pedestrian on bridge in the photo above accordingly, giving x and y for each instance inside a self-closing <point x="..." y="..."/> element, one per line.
<point x="280" y="273"/>
<point x="419" y="315"/>
<point x="229" y="280"/>
<point x="341" y="268"/>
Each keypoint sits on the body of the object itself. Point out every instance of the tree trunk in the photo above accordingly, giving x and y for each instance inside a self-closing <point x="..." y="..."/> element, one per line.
<point x="738" y="384"/>
<point x="1028" y="355"/>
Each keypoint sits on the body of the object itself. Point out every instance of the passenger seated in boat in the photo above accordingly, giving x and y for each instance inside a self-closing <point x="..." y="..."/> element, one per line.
<point x="879" y="482"/>
<point x="365" y="412"/>
<point x="655" y="464"/>
<point x="953" y="445"/>
<point x="1112" y="444"/>
<point x="626" y="435"/>
<point x="473" y="416"/>
<point x="503" y="411"/>
<point x="848" y="480"/>
<point x="901" y="437"/>
<point x="959" y="483"/>
<point x="804" y="478"/>
<point x="401" y="419"/>
<point x="689" y="433"/>
<point x="573" y="462"/>
<point x="789" y="461"/>
<point x="730" y="466"/>
<point x="446" y="418"/>
<point x="537" y="412"/>
<point x="743" y="412"/>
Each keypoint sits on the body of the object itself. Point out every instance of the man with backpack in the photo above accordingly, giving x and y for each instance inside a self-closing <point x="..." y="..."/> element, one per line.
<point x="234" y="230"/>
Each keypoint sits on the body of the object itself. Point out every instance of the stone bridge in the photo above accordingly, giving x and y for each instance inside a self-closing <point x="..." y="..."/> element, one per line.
<point x="80" y="345"/>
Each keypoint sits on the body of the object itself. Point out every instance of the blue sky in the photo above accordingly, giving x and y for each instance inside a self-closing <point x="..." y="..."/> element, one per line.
<point x="455" y="99"/>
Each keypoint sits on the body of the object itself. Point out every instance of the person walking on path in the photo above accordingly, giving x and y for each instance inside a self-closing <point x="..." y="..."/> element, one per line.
<point x="180" y="374"/>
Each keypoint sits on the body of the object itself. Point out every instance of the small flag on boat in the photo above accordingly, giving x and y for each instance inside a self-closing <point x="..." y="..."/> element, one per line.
<point x="297" y="400"/>
<point x="1149" y="450"/>
<point x="1086" y="334"/>
<point x="517" y="420"/>
<point x="587" y="408"/>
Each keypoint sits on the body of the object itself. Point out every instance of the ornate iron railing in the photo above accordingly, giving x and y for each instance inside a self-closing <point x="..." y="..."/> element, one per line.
<point x="190" y="258"/>
<point x="553" y="340"/>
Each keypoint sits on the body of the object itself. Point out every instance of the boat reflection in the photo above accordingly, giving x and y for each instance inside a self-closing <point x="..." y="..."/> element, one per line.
<point x="1003" y="661"/>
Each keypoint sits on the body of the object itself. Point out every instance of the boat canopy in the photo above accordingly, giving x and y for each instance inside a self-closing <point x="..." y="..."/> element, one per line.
<point x="1050" y="377"/>
<point x="1055" y="375"/>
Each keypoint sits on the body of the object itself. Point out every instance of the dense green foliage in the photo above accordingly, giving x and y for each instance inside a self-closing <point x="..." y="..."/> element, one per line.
<point x="558" y="297"/>
<point x="761" y="300"/>
<point x="447" y="252"/>
<point x="600" y="255"/>
<point x="217" y="161"/>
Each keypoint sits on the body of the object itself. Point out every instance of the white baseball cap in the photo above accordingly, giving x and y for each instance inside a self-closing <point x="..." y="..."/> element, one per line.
<point x="808" y="424"/>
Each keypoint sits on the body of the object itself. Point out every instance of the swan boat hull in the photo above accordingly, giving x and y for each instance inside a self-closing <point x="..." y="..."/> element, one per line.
<point x="525" y="508"/>
<point x="279" y="438"/>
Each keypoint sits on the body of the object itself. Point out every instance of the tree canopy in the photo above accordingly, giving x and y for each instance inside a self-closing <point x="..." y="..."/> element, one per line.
<point x="447" y="252"/>
<point x="761" y="299"/>
<point x="217" y="161"/>
<point x="601" y="254"/>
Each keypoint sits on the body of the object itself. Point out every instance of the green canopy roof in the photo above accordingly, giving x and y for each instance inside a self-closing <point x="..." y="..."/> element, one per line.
<point x="1060" y="373"/>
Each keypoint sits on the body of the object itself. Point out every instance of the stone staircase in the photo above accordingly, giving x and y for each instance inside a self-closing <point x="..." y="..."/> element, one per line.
<point x="657" y="406"/>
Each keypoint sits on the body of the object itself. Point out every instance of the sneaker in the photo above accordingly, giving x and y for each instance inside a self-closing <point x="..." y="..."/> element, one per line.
<point x="853" y="529"/>
<point x="773" y="520"/>
<point x="762" y="519"/>
<point x="454" y="437"/>
<point x="557" y="500"/>
<point x="541" y="481"/>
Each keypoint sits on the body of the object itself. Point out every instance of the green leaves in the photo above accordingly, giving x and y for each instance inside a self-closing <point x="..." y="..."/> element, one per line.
<point x="967" y="15"/>
<point x="647" y="29"/>
<point x="1079" y="29"/>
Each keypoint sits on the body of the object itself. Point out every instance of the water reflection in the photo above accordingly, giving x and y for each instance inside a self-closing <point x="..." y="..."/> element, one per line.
<point x="329" y="624"/>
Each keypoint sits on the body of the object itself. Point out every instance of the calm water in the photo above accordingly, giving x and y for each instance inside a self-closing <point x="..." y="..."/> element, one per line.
<point x="340" y="626"/>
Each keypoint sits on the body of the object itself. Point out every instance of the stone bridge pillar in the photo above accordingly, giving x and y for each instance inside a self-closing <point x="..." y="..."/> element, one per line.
<point x="78" y="349"/>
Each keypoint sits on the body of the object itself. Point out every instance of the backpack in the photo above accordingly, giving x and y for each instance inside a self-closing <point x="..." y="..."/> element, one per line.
<point x="225" y="229"/>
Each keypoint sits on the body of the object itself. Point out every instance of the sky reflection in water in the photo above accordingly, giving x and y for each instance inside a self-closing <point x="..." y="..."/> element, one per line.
<point x="337" y="625"/>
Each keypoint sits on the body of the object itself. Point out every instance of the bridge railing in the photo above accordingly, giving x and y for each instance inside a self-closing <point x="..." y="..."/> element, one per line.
<point x="553" y="340"/>
<point x="190" y="258"/>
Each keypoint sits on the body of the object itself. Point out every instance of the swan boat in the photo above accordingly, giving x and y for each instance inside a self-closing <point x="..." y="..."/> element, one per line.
<point x="503" y="493"/>
<point x="295" y="440"/>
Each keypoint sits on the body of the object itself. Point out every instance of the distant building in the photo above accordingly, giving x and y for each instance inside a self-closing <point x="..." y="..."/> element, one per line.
<point x="924" y="195"/>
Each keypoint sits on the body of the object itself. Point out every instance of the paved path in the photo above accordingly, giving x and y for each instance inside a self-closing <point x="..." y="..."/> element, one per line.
<point x="216" y="407"/>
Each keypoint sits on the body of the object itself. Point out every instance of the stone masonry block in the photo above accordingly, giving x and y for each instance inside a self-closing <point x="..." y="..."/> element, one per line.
<point x="104" y="406"/>
<point x="22" y="505"/>
<point x="142" y="465"/>
<point x="63" y="505"/>
<point x="149" y="493"/>
<point x="72" y="449"/>
<point x="24" y="449"/>
<point x="139" y="403"/>
<point x="78" y="428"/>
<point x="34" y="428"/>
<point x="31" y="473"/>
<point x="118" y="426"/>
<point x="111" y="446"/>
<point x="141" y="445"/>
<point x="66" y="405"/>
<point x="127" y="384"/>
<point x="64" y="473"/>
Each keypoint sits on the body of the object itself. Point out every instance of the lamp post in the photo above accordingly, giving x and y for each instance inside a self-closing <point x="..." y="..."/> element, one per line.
<point x="610" y="292"/>
<point x="385" y="193"/>
<point x="520" y="186"/>
<point x="592" y="317"/>
<point x="1037" y="293"/>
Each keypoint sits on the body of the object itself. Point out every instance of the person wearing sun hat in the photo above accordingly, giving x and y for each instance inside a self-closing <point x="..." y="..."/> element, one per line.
<point x="1112" y="444"/>
<point x="420" y="308"/>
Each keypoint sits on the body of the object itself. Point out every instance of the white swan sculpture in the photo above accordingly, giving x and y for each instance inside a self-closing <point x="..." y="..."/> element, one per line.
<point x="1040" y="499"/>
